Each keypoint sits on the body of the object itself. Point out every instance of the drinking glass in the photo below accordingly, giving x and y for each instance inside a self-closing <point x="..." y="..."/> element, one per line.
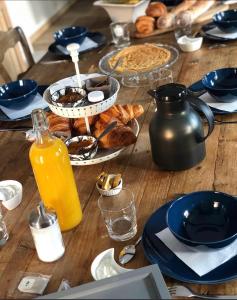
<point x="160" y="77"/>
<point x="120" y="34"/>
<point x="182" y="27"/>
<point x="3" y="231"/>
<point x="119" y="213"/>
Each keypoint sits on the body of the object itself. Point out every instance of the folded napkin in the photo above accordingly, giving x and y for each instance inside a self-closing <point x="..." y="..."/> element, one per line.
<point x="87" y="44"/>
<point x="17" y="112"/>
<point x="200" y="259"/>
<point x="217" y="32"/>
<point x="230" y="107"/>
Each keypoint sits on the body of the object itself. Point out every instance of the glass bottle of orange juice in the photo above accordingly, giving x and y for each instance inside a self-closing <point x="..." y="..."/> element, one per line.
<point x="53" y="174"/>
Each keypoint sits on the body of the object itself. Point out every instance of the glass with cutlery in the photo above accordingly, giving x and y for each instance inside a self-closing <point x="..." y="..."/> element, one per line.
<point x="119" y="213"/>
<point x="120" y="34"/>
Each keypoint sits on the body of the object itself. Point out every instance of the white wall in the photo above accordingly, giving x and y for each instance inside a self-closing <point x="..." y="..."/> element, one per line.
<point x="32" y="14"/>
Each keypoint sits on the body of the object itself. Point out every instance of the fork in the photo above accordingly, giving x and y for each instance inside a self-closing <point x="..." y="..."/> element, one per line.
<point x="182" y="291"/>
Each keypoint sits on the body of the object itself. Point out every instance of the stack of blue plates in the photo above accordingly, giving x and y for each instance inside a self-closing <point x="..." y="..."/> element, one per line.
<point x="157" y="253"/>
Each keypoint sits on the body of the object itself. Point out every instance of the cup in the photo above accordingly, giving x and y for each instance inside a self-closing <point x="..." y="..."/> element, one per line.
<point x="160" y="77"/>
<point x="120" y="34"/>
<point x="182" y="26"/>
<point x="119" y="213"/>
<point x="3" y="231"/>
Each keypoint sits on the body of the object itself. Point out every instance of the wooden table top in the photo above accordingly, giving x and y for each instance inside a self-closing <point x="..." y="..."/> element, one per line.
<point x="152" y="187"/>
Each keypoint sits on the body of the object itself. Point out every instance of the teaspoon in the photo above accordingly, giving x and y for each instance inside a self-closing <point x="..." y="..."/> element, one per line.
<point x="128" y="252"/>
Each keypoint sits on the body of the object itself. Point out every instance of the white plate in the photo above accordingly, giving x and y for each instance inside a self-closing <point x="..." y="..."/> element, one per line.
<point x="104" y="154"/>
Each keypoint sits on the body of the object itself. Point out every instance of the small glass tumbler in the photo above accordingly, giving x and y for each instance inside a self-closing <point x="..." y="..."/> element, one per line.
<point x="3" y="231"/>
<point x="182" y="26"/>
<point x="120" y="34"/>
<point x="119" y="213"/>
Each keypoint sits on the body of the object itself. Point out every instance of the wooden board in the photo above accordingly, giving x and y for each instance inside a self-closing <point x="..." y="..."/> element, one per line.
<point x="203" y="18"/>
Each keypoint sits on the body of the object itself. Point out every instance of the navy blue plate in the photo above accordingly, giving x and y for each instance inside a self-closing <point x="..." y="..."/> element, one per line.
<point x="157" y="253"/>
<point x="198" y="86"/>
<point x="226" y="20"/>
<point x="97" y="37"/>
<point x="210" y="26"/>
<point x="3" y="117"/>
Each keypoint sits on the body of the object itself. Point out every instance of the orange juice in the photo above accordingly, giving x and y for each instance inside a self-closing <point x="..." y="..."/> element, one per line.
<point x="55" y="180"/>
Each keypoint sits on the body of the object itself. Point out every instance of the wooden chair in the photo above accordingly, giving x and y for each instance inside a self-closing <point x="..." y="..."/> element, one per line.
<point x="9" y="39"/>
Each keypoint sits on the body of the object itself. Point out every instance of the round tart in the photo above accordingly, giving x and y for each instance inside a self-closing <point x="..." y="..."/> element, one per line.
<point x="140" y="58"/>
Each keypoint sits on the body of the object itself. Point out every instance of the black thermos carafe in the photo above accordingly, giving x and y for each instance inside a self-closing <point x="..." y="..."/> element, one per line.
<point x="176" y="129"/>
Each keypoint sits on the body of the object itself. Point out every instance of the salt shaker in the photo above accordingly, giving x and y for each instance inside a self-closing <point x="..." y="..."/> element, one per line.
<point x="46" y="234"/>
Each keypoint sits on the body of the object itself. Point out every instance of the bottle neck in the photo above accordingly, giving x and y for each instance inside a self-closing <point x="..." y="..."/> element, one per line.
<point x="41" y="127"/>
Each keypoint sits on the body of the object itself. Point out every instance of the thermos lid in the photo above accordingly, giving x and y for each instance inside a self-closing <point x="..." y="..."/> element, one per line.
<point x="41" y="219"/>
<point x="170" y="92"/>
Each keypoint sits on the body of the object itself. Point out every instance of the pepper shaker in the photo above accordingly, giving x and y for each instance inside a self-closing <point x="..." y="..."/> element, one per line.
<point x="46" y="235"/>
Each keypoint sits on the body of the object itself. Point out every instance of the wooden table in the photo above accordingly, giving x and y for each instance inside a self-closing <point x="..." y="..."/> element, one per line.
<point x="152" y="187"/>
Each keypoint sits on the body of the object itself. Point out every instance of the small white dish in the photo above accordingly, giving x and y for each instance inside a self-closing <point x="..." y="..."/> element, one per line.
<point x="111" y="192"/>
<point x="95" y="96"/>
<point x="104" y="265"/>
<point x="10" y="193"/>
<point x="189" y="44"/>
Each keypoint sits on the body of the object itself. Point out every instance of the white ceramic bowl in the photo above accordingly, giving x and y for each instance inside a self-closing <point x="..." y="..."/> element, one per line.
<point x="104" y="265"/>
<point x="13" y="202"/>
<point x="124" y="12"/>
<point x="190" y="44"/>
<point x="111" y="192"/>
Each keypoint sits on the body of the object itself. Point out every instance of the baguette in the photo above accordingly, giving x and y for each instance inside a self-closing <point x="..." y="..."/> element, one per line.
<point x="168" y="20"/>
<point x="199" y="8"/>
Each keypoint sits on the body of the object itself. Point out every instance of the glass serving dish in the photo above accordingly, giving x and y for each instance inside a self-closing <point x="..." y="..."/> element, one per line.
<point x="134" y="78"/>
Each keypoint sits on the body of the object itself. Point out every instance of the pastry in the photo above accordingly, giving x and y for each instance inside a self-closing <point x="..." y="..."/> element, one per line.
<point x="58" y="124"/>
<point x="140" y="58"/>
<point x="79" y="125"/>
<point x="168" y="20"/>
<point x="145" y="24"/>
<point x="156" y="9"/>
<point x="195" y="11"/>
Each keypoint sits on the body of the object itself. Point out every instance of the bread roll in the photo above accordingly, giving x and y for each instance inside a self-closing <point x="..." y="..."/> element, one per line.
<point x="156" y="9"/>
<point x="145" y="24"/>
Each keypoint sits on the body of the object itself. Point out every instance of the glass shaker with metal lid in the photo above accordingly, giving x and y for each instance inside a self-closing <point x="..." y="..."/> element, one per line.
<point x="46" y="234"/>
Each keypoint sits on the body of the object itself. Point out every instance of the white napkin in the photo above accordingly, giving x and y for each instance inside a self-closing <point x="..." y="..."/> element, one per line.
<point x="70" y="81"/>
<point x="86" y="44"/>
<point x="217" y="32"/>
<point x="200" y="259"/>
<point x="230" y="107"/>
<point x="15" y="113"/>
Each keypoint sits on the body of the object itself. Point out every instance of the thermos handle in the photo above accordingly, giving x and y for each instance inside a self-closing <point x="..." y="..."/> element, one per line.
<point x="201" y="106"/>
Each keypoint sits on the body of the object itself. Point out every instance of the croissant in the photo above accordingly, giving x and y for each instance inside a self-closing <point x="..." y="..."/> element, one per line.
<point x="121" y="135"/>
<point x="145" y="24"/>
<point x="79" y="125"/>
<point x="58" y="124"/>
<point x="156" y="9"/>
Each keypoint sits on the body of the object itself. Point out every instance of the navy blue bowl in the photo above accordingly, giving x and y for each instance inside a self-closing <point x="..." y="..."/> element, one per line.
<point x="18" y="93"/>
<point x="226" y="21"/>
<point x="70" y="35"/>
<point x="222" y="84"/>
<point x="204" y="218"/>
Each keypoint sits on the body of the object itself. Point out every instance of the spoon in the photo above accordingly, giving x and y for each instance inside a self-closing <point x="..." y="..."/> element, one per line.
<point x="128" y="252"/>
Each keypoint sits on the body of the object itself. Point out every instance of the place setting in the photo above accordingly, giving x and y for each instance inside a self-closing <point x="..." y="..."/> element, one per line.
<point x="223" y="27"/>
<point x="219" y="90"/>
<point x="19" y="98"/>
<point x="87" y="40"/>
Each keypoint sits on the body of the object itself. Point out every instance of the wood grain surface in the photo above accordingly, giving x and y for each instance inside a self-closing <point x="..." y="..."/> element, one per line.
<point x="151" y="186"/>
